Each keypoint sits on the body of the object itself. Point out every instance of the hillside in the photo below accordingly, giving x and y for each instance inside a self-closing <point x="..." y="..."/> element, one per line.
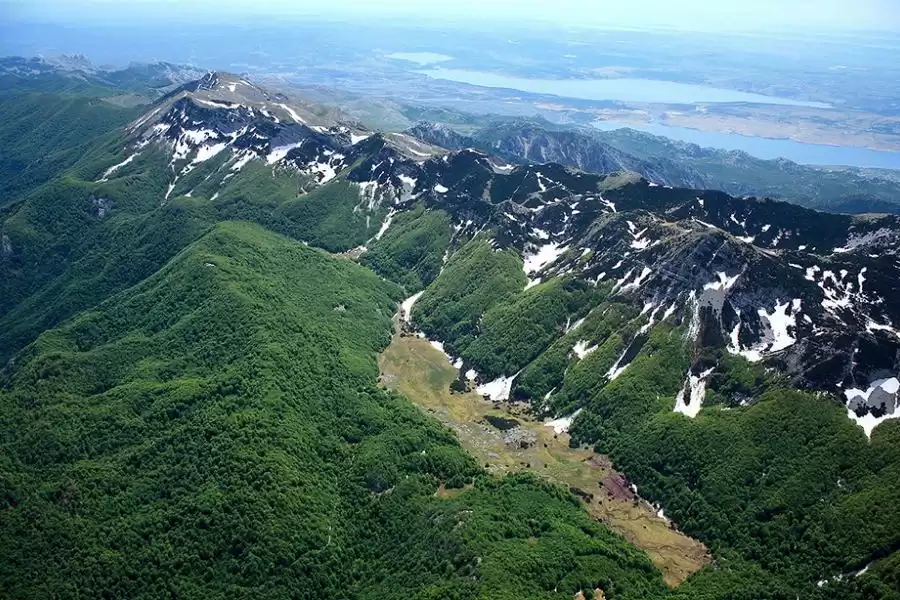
<point x="216" y="431"/>
<point x="191" y="313"/>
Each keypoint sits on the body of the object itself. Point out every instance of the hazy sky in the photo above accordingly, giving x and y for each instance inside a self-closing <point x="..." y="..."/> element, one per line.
<point x="685" y="14"/>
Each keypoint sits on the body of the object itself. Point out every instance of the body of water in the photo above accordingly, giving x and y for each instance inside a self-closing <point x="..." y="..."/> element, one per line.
<point x="799" y="152"/>
<point x="620" y="89"/>
<point x="421" y="58"/>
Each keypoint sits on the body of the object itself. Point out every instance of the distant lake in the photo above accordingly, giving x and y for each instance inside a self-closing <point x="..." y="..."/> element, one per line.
<point x="422" y="58"/>
<point x="619" y="89"/>
<point x="807" y="154"/>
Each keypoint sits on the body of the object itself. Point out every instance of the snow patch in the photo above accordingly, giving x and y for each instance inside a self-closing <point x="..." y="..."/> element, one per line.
<point x="581" y="349"/>
<point x="724" y="283"/>
<point x="872" y="326"/>
<point x="242" y="161"/>
<point x="293" y="113"/>
<point x="609" y="205"/>
<point x="439" y="347"/>
<point x="694" y="326"/>
<point x="669" y="312"/>
<point x="651" y="321"/>
<point x="886" y="390"/>
<point x="735" y="346"/>
<point x="575" y="325"/>
<point x="499" y="389"/>
<point x="837" y="288"/>
<point x="616" y="369"/>
<point x="638" y="242"/>
<point x="637" y="282"/>
<point x="543" y="256"/>
<point x="408" y="182"/>
<point x="278" y="153"/>
<point x="501" y="169"/>
<point x="406" y="305"/>
<point x="206" y="152"/>
<point x="171" y="188"/>
<point x="661" y="513"/>
<point x="114" y="168"/>
<point x="385" y="224"/>
<point x="780" y="324"/>
<point x="696" y="386"/>
<point x="563" y="424"/>
<point x="779" y="328"/>
<point x="326" y="171"/>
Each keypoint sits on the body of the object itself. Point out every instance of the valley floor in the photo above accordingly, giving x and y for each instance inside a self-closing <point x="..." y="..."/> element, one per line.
<point x="413" y="367"/>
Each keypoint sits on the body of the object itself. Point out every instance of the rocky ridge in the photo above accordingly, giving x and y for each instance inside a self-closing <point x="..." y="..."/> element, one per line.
<point x="811" y="294"/>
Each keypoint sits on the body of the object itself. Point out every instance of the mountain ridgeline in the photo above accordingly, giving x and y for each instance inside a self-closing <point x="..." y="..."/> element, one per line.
<point x="191" y="308"/>
<point x="669" y="162"/>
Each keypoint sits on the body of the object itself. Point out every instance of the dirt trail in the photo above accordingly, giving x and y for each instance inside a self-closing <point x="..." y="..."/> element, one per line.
<point x="411" y="366"/>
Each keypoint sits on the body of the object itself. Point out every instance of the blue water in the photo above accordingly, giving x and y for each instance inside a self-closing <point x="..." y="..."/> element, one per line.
<point x="807" y="154"/>
<point x="620" y="89"/>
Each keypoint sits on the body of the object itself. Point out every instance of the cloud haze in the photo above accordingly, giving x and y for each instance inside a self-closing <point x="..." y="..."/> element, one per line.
<point x="683" y="14"/>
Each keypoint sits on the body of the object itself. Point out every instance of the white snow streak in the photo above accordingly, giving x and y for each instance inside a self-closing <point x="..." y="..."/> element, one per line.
<point x="887" y="389"/>
<point x="114" y="168"/>
<point x="386" y="224"/>
<point x="406" y="305"/>
<point x="581" y="349"/>
<point x="280" y="152"/>
<point x="563" y="424"/>
<point x="544" y="256"/>
<point x="293" y="113"/>
<point x="697" y="387"/>
<point x="205" y="152"/>
<point x="499" y="389"/>
<point x="724" y="282"/>
<point x="780" y="323"/>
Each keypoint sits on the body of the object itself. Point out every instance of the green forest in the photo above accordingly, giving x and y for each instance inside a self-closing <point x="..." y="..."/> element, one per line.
<point x="215" y="431"/>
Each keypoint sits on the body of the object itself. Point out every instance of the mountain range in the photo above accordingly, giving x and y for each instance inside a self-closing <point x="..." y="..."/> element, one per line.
<point x="670" y="162"/>
<point x="194" y="290"/>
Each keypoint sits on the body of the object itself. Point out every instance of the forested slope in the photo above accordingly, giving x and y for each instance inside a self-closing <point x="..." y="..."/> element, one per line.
<point x="215" y="431"/>
<point x="44" y="133"/>
<point x="783" y="487"/>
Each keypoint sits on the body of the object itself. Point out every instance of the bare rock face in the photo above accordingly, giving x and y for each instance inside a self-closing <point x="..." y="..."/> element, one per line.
<point x="520" y="438"/>
<point x="101" y="205"/>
